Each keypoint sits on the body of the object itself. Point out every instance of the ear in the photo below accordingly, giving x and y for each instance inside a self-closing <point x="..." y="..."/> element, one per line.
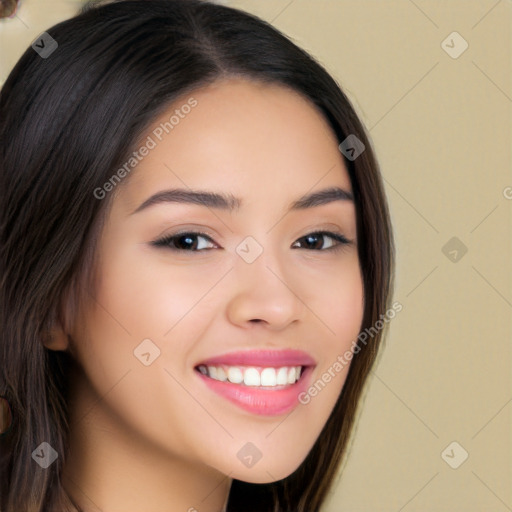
<point x="56" y="336"/>
<point x="56" y="339"/>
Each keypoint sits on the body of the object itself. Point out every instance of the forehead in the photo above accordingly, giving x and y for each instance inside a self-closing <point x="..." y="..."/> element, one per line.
<point x="261" y="142"/>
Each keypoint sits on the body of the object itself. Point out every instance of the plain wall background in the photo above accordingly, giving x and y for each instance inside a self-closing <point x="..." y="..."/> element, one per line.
<point x="441" y="127"/>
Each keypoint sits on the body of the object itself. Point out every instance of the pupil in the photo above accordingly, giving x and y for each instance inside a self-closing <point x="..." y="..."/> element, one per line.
<point x="312" y="238"/>
<point x="188" y="240"/>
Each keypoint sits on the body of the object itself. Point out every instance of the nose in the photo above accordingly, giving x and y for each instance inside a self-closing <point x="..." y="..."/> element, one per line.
<point x="263" y="293"/>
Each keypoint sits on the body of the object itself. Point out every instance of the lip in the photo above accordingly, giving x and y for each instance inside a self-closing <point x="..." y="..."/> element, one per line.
<point x="258" y="400"/>
<point x="269" y="358"/>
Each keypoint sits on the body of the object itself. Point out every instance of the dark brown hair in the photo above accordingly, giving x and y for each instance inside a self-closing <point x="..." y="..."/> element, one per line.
<point x="66" y="122"/>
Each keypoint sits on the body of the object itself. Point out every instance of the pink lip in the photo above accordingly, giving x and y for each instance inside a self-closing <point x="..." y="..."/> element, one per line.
<point x="270" y="358"/>
<point x="258" y="400"/>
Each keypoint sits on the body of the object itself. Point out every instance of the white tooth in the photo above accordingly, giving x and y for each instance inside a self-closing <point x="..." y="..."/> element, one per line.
<point x="298" y="372"/>
<point x="251" y="377"/>
<point x="221" y="374"/>
<point x="268" y="377"/>
<point x="203" y="370"/>
<point x="235" y="375"/>
<point x="282" y="376"/>
<point x="291" y="375"/>
<point x="212" y="371"/>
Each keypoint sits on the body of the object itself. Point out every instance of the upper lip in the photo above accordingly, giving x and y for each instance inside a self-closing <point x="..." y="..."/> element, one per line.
<point x="276" y="358"/>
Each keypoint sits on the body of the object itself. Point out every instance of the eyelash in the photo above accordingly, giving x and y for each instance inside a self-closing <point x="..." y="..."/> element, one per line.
<point x="166" y="241"/>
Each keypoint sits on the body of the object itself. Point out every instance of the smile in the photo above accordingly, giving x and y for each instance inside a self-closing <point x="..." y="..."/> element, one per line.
<point x="253" y="376"/>
<point x="260" y="382"/>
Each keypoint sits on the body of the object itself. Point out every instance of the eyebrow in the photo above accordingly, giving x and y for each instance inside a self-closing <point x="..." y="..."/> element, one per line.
<point x="229" y="202"/>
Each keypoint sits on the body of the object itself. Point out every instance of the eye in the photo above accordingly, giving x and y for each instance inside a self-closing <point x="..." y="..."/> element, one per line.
<point x="186" y="241"/>
<point x="315" y="241"/>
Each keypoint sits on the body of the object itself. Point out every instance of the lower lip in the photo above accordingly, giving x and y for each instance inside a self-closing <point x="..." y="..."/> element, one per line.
<point x="266" y="402"/>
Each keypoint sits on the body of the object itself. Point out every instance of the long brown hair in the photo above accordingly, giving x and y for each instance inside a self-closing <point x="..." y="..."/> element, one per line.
<point x="67" y="120"/>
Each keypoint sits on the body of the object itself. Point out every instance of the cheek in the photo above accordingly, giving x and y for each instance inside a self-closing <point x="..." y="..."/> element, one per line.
<point x="340" y="308"/>
<point x="347" y="309"/>
<point x="149" y="296"/>
<point x="345" y="315"/>
<point x="337" y="302"/>
<point x="135" y="302"/>
<point x="119" y="390"/>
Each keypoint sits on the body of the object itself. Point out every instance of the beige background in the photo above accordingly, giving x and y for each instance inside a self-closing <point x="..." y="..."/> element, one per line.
<point x="441" y="128"/>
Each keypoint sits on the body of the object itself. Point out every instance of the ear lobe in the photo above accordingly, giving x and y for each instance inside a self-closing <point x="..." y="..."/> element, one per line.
<point x="56" y="336"/>
<point x="56" y="339"/>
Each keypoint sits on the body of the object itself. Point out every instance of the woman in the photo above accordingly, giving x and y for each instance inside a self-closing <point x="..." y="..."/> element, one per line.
<point x="195" y="243"/>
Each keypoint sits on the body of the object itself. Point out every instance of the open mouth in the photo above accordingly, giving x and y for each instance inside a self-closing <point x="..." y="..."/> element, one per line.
<point x="253" y="376"/>
<point x="263" y="382"/>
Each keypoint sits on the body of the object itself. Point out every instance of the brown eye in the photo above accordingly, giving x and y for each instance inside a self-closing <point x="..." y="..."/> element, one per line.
<point x="315" y="241"/>
<point x="186" y="241"/>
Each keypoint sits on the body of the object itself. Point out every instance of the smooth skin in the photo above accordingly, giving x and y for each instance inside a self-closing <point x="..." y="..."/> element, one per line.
<point x="155" y="438"/>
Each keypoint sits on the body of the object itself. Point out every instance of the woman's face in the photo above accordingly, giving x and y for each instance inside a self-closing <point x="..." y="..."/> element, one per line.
<point x="255" y="296"/>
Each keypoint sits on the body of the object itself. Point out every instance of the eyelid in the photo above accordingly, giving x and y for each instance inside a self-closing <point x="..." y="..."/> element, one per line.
<point x="164" y="240"/>
<point x="341" y="240"/>
<point x="336" y="235"/>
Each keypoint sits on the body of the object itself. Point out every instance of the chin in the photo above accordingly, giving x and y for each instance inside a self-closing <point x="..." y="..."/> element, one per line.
<point x="265" y="474"/>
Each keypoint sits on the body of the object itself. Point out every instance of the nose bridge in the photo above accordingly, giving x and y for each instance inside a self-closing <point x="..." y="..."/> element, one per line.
<point x="259" y="261"/>
<point x="263" y="289"/>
